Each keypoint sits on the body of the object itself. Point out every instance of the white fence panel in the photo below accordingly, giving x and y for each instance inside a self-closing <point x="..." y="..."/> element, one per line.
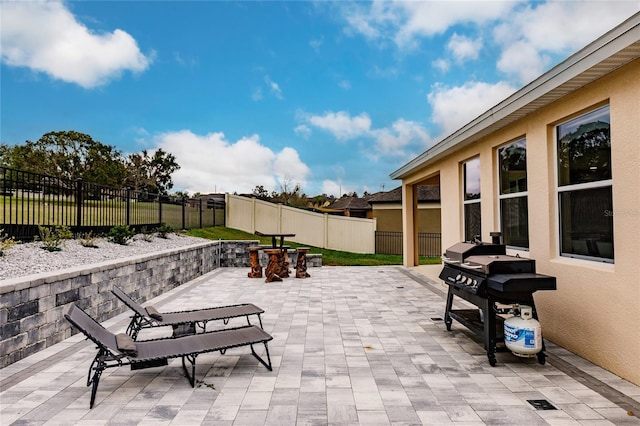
<point x="351" y="234"/>
<point x="267" y="217"/>
<point x="242" y="217"/>
<point x="315" y="229"/>
<point x="309" y="227"/>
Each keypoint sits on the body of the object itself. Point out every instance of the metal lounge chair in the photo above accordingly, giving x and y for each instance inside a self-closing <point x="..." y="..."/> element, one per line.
<point x="183" y="322"/>
<point x="120" y="350"/>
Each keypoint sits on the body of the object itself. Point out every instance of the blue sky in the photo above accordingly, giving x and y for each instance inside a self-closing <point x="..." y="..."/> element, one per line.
<point x="333" y="96"/>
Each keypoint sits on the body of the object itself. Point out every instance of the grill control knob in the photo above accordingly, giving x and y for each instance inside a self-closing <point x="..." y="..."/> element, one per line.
<point x="468" y="280"/>
<point x="459" y="277"/>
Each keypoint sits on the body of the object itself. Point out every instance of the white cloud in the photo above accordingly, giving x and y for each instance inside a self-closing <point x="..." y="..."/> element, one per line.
<point x="335" y="188"/>
<point x="559" y="27"/>
<point x="394" y="140"/>
<point x="523" y="61"/>
<point x="316" y="43"/>
<point x="463" y="48"/>
<point x="342" y="125"/>
<point x="434" y="17"/>
<point x="365" y="21"/>
<point x="288" y="166"/>
<point x="344" y="84"/>
<point x="454" y="107"/>
<point x="303" y="130"/>
<point x="46" y="37"/>
<point x="212" y="163"/>
<point x="441" y="64"/>
<point x="528" y="34"/>
<point x="390" y="141"/>
<point x="257" y="94"/>
<point x="378" y="72"/>
<point x="274" y="87"/>
<point x="404" y="22"/>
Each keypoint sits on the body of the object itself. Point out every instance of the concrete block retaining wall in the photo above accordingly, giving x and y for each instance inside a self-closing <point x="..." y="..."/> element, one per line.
<point x="32" y="308"/>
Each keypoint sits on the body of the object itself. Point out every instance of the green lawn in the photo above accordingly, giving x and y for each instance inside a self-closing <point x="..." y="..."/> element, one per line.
<point x="329" y="257"/>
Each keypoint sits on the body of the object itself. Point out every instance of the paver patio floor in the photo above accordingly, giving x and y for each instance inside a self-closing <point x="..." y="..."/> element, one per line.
<point x="351" y="345"/>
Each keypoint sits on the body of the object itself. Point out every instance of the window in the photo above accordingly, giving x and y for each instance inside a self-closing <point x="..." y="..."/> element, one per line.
<point x="584" y="186"/>
<point x="514" y="216"/>
<point x="471" y="201"/>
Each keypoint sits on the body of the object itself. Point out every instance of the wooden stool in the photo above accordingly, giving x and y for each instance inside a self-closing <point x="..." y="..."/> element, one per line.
<point x="301" y="263"/>
<point x="256" y="269"/>
<point x="284" y="264"/>
<point x="273" y="267"/>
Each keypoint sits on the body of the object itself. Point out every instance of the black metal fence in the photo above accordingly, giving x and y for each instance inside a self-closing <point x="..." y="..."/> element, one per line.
<point x="28" y="200"/>
<point x="389" y="242"/>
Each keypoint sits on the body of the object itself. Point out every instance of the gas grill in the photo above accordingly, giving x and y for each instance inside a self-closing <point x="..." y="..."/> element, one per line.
<point x="484" y="275"/>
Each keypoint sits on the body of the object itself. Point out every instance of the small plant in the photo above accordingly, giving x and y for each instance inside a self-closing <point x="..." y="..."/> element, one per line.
<point x="6" y="242"/>
<point x="146" y="234"/>
<point x="53" y="237"/>
<point x="163" y="230"/>
<point x="121" y="234"/>
<point x="88" y="240"/>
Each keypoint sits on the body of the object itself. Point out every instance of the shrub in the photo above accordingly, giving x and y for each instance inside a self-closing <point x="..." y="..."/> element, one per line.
<point x="121" y="234"/>
<point x="53" y="237"/>
<point x="88" y="240"/>
<point x="6" y="242"/>
<point x="163" y="230"/>
<point x="146" y="234"/>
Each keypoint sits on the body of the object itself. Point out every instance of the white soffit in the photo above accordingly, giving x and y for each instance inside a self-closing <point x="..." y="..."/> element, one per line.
<point x="609" y="52"/>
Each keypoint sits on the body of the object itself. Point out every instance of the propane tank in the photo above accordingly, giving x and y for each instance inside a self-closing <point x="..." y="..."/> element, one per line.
<point x="522" y="333"/>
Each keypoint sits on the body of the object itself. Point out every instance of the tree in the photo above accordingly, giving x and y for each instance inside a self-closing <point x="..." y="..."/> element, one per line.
<point x="5" y="152"/>
<point x="290" y="194"/>
<point x="260" y="193"/>
<point x="67" y="155"/>
<point x="151" y="173"/>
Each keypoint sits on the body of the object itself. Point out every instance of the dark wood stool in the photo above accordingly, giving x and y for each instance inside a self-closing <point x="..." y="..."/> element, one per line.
<point x="284" y="263"/>
<point x="301" y="262"/>
<point x="254" y="259"/>
<point x="273" y="267"/>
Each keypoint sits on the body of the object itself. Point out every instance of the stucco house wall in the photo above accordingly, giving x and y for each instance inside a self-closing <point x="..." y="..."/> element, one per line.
<point x="595" y="311"/>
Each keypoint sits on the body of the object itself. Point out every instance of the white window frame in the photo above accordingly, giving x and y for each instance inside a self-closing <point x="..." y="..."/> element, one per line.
<point x="474" y="201"/>
<point x="501" y="197"/>
<point x="607" y="183"/>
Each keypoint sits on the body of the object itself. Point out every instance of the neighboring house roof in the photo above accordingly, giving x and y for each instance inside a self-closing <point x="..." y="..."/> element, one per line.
<point x="351" y="203"/>
<point x="614" y="49"/>
<point x="212" y="195"/>
<point x="426" y="193"/>
<point x="319" y="201"/>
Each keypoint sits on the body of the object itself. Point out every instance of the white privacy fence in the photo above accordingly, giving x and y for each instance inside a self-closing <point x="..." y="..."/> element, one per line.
<point x="315" y="229"/>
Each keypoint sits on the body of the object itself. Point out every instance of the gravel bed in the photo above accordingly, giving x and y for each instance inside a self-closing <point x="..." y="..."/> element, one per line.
<point x="29" y="258"/>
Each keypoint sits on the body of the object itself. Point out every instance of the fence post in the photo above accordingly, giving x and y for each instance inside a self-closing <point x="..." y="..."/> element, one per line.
<point x="184" y="212"/>
<point x="200" y="212"/>
<point x="160" y="208"/>
<point x="78" y="202"/>
<point x="128" y="206"/>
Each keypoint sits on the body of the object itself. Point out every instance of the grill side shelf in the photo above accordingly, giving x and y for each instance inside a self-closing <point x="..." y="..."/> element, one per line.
<point x="524" y="282"/>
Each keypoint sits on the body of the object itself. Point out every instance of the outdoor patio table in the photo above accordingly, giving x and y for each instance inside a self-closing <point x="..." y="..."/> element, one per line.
<point x="278" y="261"/>
<point x="274" y="238"/>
